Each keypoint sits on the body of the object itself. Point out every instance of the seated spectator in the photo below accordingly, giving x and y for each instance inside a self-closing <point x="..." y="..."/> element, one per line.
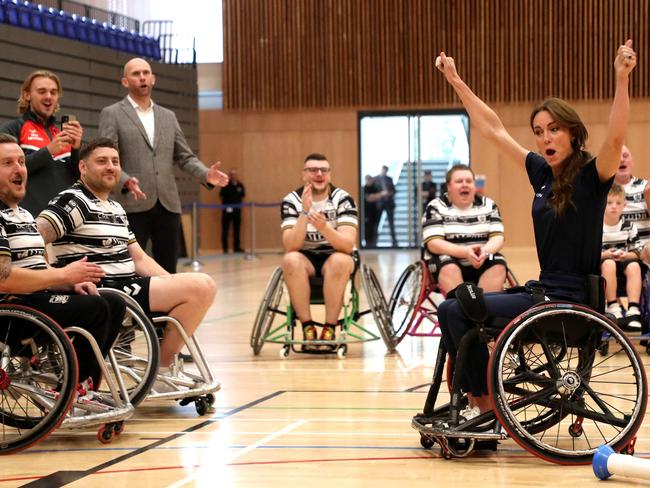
<point x="620" y="259"/>
<point x="319" y="231"/>
<point x="68" y="294"/>
<point x="463" y="234"/>
<point x="636" y="196"/>
<point x="83" y="221"/>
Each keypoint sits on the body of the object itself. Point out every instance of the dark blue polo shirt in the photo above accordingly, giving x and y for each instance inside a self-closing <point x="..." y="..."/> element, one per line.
<point x="571" y="244"/>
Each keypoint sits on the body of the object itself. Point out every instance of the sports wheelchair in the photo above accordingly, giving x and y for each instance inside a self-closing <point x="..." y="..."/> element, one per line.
<point x="137" y="354"/>
<point x="276" y="302"/>
<point x="550" y="390"/>
<point x="413" y="304"/>
<point x="38" y="382"/>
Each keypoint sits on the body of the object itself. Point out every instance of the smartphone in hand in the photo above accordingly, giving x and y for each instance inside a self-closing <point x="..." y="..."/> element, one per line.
<point x="67" y="118"/>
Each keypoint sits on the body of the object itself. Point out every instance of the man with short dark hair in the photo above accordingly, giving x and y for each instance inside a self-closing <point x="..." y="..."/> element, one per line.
<point x="51" y="151"/>
<point x="84" y="221"/>
<point x="319" y="233"/>
<point x="232" y="194"/>
<point x="387" y="201"/>
<point x="68" y="295"/>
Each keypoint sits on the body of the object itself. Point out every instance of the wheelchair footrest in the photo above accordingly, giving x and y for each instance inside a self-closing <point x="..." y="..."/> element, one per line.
<point x="440" y="428"/>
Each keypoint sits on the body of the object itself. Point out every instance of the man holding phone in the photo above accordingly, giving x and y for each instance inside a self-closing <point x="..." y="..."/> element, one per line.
<point x="51" y="148"/>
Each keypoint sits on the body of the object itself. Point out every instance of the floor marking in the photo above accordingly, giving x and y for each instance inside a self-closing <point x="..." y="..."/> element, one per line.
<point x="255" y="445"/>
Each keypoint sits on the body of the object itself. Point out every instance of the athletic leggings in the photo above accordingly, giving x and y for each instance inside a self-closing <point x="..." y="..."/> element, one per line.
<point x="454" y="324"/>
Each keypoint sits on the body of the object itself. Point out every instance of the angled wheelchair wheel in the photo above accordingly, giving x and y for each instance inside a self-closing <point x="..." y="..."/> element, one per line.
<point x="555" y="395"/>
<point x="38" y="376"/>
<point x="378" y="306"/>
<point x="136" y="350"/>
<point x="404" y="301"/>
<point x="268" y="309"/>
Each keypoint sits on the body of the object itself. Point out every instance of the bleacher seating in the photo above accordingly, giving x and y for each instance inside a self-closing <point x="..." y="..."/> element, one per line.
<point x="30" y="15"/>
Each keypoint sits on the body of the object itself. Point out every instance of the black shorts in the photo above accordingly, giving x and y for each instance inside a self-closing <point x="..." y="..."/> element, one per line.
<point x="471" y="274"/>
<point x="317" y="260"/>
<point x="137" y="288"/>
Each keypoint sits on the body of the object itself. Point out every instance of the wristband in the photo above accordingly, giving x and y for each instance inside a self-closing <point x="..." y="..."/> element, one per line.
<point x="304" y="213"/>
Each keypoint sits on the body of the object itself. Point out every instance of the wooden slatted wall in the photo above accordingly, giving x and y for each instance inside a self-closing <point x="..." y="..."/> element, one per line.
<point x="288" y="54"/>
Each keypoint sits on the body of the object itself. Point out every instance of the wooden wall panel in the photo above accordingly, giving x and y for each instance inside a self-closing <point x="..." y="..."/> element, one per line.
<point x="296" y="54"/>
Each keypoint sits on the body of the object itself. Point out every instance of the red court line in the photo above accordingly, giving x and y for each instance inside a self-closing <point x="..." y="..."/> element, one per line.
<point x="261" y="463"/>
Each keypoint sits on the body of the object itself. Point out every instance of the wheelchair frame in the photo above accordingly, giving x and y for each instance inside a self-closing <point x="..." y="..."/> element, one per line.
<point x="38" y="379"/>
<point x="551" y="392"/>
<point x="414" y="311"/>
<point x="198" y="388"/>
<point x="351" y="330"/>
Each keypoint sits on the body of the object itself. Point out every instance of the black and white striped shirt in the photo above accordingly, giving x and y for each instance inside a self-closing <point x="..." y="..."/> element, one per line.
<point x="636" y="208"/>
<point x="339" y="210"/>
<point x="473" y="225"/>
<point x="623" y="235"/>
<point x="19" y="238"/>
<point x="88" y="226"/>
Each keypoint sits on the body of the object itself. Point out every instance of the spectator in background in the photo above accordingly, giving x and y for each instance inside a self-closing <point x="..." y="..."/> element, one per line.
<point x="636" y="197"/>
<point x="51" y="152"/>
<point x="150" y="143"/>
<point x="371" y="211"/>
<point x="429" y="189"/>
<point x="387" y="201"/>
<point x="231" y="194"/>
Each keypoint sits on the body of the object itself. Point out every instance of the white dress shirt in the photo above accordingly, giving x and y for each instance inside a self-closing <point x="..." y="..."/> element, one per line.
<point x="146" y="117"/>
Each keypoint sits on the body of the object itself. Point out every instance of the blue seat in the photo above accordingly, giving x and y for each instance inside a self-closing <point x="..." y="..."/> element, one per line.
<point x="49" y="21"/>
<point x="131" y="37"/>
<point x="111" y="36"/>
<point x="152" y="48"/>
<point x="11" y="9"/>
<point x="3" y="15"/>
<point x="24" y="14"/>
<point x="59" y="22"/>
<point x="140" y="44"/>
<point x="121" y="39"/>
<point x="93" y="34"/>
<point x="70" y="26"/>
<point x="36" y="17"/>
<point x="81" y="28"/>
<point x="102" y="33"/>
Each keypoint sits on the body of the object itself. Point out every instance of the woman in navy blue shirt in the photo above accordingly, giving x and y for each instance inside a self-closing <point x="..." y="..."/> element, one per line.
<point x="570" y="188"/>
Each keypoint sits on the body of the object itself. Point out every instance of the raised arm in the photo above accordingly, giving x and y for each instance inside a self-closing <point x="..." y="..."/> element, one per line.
<point x="609" y="155"/>
<point x="482" y="116"/>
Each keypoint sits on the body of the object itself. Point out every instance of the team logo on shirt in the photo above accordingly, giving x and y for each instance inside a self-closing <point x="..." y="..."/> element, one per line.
<point x="59" y="299"/>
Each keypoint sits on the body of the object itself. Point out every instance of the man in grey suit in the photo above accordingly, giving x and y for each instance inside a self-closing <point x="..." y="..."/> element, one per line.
<point x="150" y="142"/>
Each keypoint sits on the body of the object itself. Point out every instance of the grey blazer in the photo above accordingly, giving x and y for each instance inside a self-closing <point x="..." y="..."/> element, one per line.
<point x="152" y="166"/>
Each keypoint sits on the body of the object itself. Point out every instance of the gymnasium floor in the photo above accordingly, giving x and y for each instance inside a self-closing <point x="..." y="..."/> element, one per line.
<point x="303" y="421"/>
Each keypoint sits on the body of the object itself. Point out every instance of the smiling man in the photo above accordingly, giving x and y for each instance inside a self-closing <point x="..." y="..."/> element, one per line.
<point x="319" y="233"/>
<point x="84" y="221"/>
<point x="51" y="153"/>
<point x="463" y="234"/>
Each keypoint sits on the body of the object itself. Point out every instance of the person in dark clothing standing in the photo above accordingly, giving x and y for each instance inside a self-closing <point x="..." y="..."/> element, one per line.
<point x="231" y="194"/>
<point x="51" y="152"/>
<point x="387" y="202"/>
<point x="429" y="189"/>
<point x="371" y="211"/>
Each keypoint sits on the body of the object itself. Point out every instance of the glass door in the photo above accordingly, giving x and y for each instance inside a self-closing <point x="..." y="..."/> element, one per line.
<point x="403" y="162"/>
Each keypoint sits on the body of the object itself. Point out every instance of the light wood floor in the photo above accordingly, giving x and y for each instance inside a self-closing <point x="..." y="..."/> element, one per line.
<point x="303" y="421"/>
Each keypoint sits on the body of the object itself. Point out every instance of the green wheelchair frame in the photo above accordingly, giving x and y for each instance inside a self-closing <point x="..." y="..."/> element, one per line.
<point x="351" y="330"/>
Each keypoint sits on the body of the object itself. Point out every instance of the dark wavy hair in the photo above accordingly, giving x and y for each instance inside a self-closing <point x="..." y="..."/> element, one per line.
<point x="563" y="182"/>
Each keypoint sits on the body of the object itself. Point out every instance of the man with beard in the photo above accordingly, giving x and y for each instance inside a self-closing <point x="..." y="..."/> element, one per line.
<point x="68" y="294"/>
<point x="319" y="233"/>
<point x="84" y="222"/>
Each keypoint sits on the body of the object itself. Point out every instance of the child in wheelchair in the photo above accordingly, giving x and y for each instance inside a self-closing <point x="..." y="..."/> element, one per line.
<point x="620" y="263"/>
